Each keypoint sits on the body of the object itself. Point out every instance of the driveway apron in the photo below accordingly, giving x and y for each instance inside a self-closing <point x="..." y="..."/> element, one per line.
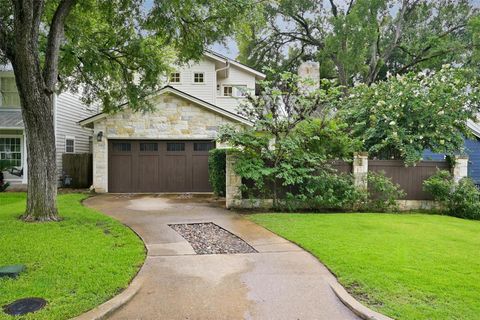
<point x="280" y="281"/>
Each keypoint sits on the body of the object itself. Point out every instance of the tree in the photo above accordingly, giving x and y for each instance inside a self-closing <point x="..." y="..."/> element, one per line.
<point x="401" y="117"/>
<point x="111" y="51"/>
<point x="359" y="40"/>
<point x="281" y="148"/>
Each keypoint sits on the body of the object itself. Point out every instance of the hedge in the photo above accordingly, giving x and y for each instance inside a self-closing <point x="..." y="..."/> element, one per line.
<point x="216" y="171"/>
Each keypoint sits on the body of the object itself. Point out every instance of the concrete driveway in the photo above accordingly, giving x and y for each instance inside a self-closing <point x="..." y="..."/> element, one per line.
<point x="281" y="281"/>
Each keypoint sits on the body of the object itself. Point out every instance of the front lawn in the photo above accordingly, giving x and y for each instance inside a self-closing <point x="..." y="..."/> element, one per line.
<point x="407" y="266"/>
<point x="75" y="264"/>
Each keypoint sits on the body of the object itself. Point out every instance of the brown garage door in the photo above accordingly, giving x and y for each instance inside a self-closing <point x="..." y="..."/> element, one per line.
<point x="158" y="166"/>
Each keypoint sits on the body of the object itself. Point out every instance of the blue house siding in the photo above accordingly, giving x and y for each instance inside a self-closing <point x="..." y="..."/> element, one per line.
<point x="472" y="148"/>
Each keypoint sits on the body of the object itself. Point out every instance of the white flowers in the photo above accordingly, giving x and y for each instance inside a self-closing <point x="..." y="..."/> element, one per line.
<point x="392" y="123"/>
<point x="441" y="113"/>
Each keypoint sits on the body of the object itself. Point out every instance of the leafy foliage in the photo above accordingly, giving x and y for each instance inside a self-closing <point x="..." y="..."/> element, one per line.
<point x="382" y="193"/>
<point x="284" y="154"/>
<point x="461" y="199"/>
<point x="359" y="40"/>
<point x="404" y="115"/>
<point x="216" y="171"/>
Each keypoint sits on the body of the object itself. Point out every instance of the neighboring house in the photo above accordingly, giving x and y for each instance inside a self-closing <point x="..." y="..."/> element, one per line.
<point x="70" y="136"/>
<point x="472" y="149"/>
<point x="166" y="150"/>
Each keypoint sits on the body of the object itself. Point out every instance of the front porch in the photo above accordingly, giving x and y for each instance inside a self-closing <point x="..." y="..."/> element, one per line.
<point x="12" y="147"/>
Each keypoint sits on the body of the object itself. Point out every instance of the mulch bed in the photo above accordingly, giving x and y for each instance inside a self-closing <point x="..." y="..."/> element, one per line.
<point x="208" y="238"/>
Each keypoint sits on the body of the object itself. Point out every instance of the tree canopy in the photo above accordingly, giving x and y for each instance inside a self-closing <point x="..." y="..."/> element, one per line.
<point x="360" y="40"/>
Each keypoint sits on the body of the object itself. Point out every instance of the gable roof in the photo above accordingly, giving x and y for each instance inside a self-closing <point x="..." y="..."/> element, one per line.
<point x="181" y="94"/>
<point x="474" y="127"/>
<point x="221" y="58"/>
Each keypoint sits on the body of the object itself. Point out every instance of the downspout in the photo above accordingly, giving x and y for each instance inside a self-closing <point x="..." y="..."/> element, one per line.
<point x="227" y="66"/>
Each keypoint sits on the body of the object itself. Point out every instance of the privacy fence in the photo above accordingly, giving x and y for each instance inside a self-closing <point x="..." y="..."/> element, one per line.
<point x="410" y="179"/>
<point x="77" y="170"/>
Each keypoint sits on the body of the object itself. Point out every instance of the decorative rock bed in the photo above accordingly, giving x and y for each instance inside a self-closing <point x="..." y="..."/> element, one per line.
<point x="208" y="238"/>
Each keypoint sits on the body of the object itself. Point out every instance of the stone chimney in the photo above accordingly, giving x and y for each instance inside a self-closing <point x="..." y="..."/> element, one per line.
<point x="310" y="70"/>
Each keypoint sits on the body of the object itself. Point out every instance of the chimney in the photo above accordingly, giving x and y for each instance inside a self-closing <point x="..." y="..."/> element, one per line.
<point x="310" y="70"/>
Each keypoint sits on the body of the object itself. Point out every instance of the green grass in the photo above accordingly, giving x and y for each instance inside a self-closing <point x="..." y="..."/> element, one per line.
<point x="407" y="266"/>
<point x="75" y="264"/>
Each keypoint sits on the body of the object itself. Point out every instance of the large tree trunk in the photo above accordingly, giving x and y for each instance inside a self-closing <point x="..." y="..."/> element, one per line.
<point x="37" y="112"/>
<point x="38" y="118"/>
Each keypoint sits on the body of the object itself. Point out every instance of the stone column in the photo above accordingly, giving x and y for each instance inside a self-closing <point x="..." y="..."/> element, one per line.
<point x="460" y="168"/>
<point x="233" y="181"/>
<point x="360" y="169"/>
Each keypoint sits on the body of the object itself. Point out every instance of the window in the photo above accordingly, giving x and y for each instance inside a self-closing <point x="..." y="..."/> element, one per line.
<point x="11" y="151"/>
<point x="175" y="77"/>
<point x="69" y="145"/>
<point x="122" y="147"/>
<point x="198" y="77"/>
<point x="9" y="92"/>
<point x="148" y="146"/>
<point x="175" y="146"/>
<point x="228" y="91"/>
<point x="203" y="146"/>
<point x="240" y="91"/>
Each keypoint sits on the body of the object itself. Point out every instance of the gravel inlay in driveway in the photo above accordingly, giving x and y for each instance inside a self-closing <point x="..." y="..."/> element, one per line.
<point x="208" y="238"/>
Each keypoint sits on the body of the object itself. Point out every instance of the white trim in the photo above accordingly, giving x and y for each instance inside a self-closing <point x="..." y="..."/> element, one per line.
<point x="181" y="94"/>
<point x="22" y="155"/>
<point x="237" y="64"/>
<point x="69" y="138"/>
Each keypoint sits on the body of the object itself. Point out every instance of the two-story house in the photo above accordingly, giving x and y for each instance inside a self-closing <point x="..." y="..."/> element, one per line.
<point x="166" y="150"/>
<point x="70" y="136"/>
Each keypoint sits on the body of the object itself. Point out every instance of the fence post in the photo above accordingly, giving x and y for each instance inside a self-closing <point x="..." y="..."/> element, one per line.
<point x="233" y="181"/>
<point x="460" y="168"/>
<point x="360" y="169"/>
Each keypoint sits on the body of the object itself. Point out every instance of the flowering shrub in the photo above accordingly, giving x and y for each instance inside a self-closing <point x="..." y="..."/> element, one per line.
<point x="404" y="115"/>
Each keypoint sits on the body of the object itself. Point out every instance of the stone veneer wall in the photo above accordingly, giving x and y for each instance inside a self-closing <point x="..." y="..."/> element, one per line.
<point x="174" y="118"/>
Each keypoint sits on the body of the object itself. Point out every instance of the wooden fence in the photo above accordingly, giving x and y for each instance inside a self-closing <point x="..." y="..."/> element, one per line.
<point x="410" y="179"/>
<point x="79" y="167"/>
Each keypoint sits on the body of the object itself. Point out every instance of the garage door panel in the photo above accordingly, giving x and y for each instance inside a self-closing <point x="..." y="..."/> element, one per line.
<point x="200" y="173"/>
<point x="148" y="173"/>
<point x="120" y="177"/>
<point x="175" y="173"/>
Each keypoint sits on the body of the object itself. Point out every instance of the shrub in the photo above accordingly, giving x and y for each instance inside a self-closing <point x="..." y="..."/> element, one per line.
<point x="325" y="191"/>
<point x="216" y="171"/>
<point x="460" y="199"/>
<point x="382" y="193"/>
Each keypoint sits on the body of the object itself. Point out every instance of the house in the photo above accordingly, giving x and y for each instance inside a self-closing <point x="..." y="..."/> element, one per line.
<point x="70" y="136"/>
<point x="166" y="150"/>
<point x="472" y="149"/>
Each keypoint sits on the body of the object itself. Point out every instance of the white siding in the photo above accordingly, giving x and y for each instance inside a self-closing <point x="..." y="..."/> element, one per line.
<point x="205" y="91"/>
<point x="236" y="77"/>
<point x="70" y="110"/>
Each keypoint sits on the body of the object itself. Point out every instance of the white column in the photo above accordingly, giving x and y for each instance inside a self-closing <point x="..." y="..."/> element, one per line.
<point x="233" y="181"/>
<point x="460" y="168"/>
<point x="360" y="169"/>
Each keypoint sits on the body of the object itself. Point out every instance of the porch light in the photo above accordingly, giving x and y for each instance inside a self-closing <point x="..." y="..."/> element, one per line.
<point x="100" y="136"/>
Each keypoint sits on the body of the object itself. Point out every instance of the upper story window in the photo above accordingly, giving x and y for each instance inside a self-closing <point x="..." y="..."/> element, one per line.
<point x="9" y="92"/>
<point x="228" y="91"/>
<point x="69" y="144"/>
<point x="198" y="77"/>
<point x="175" y="77"/>
<point x="235" y="91"/>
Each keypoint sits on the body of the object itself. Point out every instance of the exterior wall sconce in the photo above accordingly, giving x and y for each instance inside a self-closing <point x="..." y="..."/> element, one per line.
<point x="100" y="136"/>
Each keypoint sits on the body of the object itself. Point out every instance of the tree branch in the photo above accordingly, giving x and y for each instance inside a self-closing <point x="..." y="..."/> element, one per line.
<point x="334" y="9"/>
<point x="50" y="71"/>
